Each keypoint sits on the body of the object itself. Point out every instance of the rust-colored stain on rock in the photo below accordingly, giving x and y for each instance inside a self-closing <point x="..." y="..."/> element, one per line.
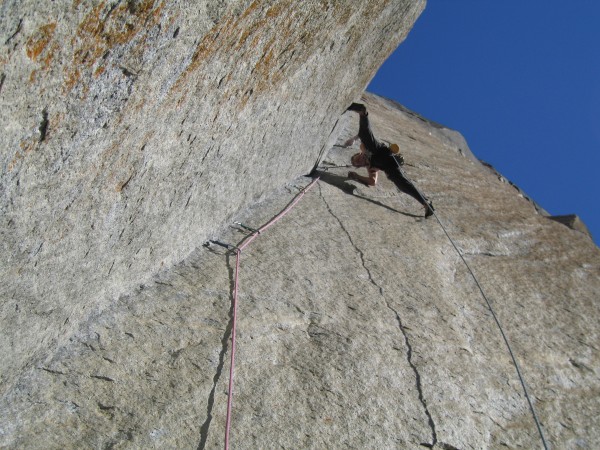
<point x="38" y="42"/>
<point x="104" y="28"/>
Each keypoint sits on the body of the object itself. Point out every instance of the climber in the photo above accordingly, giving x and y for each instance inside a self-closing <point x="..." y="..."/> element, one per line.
<point x="375" y="156"/>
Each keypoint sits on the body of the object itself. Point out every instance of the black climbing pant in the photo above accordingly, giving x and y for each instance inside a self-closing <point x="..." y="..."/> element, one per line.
<point x="366" y="135"/>
<point x="397" y="177"/>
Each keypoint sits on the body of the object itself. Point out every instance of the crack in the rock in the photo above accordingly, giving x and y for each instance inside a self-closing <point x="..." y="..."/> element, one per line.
<point x="358" y="250"/>
<point x="409" y="352"/>
<point x="224" y="341"/>
<point x="417" y="378"/>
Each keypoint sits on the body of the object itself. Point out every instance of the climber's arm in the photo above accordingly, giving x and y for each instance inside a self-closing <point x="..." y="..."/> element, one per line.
<point x="350" y="141"/>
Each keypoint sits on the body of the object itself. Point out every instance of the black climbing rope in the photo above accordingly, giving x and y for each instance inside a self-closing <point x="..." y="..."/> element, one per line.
<point x="489" y="305"/>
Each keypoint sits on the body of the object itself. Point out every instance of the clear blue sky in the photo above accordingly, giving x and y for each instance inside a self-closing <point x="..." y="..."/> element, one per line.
<point x="520" y="79"/>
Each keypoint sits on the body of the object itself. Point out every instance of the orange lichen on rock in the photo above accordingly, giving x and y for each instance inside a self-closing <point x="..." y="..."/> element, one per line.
<point x="242" y="38"/>
<point x="27" y="145"/>
<point x="99" y="71"/>
<point x="37" y="43"/>
<point x="104" y="29"/>
<point x="39" y="48"/>
<point x="72" y="78"/>
<point x="14" y="161"/>
<point x="204" y="48"/>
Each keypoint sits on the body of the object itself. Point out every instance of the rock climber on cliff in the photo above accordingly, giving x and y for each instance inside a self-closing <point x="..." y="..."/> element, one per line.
<point x="376" y="156"/>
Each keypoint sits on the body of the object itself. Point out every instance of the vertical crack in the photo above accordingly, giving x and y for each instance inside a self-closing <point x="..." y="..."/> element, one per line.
<point x="15" y="33"/>
<point x="323" y="149"/>
<point x="224" y="341"/>
<point x="43" y="129"/>
<point x="409" y="352"/>
<point x="358" y="250"/>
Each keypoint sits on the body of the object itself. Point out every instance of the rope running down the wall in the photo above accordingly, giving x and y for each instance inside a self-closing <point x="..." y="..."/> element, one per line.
<point x="489" y="305"/>
<point x="238" y="253"/>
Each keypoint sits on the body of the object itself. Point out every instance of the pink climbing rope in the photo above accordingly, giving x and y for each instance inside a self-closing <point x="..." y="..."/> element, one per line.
<point x="238" y="252"/>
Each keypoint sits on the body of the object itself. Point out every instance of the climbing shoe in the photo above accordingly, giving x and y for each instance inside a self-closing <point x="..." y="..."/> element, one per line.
<point x="358" y="107"/>
<point x="429" y="210"/>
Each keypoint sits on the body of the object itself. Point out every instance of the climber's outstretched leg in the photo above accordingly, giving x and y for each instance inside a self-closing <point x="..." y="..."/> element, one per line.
<point x="405" y="185"/>
<point x="365" y="134"/>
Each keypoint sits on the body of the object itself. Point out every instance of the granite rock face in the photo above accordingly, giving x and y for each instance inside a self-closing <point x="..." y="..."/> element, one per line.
<point x="359" y="324"/>
<point x="132" y="130"/>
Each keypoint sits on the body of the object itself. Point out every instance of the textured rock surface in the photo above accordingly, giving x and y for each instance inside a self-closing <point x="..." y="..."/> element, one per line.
<point x="133" y="129"/>
<point x="359" y="325"/>
<point x="573" y="221"/>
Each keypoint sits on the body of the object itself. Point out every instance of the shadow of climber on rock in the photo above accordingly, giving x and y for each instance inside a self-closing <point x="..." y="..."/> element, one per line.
<point x="341" y="183"/>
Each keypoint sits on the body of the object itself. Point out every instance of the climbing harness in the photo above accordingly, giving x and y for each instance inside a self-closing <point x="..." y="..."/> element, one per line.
<point x="489" y="305"/>
<point x="238" y="252"/>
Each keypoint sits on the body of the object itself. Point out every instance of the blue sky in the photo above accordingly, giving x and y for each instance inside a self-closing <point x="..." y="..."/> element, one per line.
<point x="520" y="79"/>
